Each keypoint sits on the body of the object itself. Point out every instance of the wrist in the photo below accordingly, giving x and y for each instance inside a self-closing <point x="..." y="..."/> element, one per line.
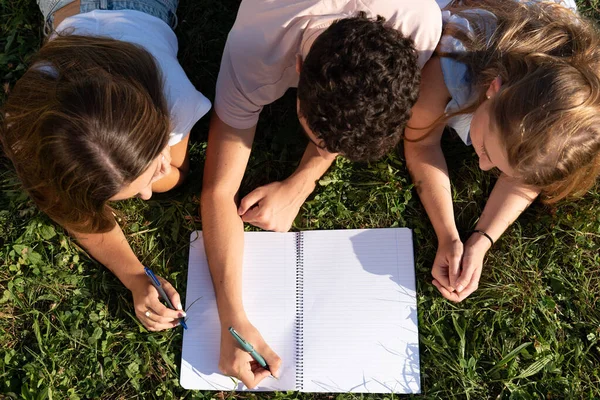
<point x="231" y="309"/>
<point x="301" y="186"/>
<point x="479" y="242"/>
<point x="134" y="279"/>
<point x="448" y="238"/>
<point x="233" y="318"/>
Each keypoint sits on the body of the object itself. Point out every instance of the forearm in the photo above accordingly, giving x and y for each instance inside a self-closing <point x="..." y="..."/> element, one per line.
<point x="112" y="250"/>
<point x="223" y="232"/>
<point x="429" y="172"/>
<point x="507" y="201"/>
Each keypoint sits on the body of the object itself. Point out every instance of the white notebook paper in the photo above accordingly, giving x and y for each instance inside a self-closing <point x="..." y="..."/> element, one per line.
<point x="339" y="308"/>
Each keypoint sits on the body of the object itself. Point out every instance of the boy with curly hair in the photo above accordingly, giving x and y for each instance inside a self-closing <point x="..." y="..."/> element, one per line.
<point x="356" y="66"/>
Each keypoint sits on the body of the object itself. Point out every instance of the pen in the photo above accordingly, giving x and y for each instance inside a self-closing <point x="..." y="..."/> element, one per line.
<point x="248" y="347"/>
<point x="161" y="291"/>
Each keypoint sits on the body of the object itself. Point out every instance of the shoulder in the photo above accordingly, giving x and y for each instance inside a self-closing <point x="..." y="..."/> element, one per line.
<point x="433" y="93"/>
<point x="421" y="21"/>
<point x="433" y="97"/>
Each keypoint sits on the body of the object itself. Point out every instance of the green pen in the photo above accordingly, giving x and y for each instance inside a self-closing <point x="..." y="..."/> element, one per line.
<point x="248" y="347"/>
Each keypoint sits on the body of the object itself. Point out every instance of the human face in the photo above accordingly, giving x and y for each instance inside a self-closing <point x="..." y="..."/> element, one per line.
<point x="487" y="142"/>
<point x="142" y="186"/>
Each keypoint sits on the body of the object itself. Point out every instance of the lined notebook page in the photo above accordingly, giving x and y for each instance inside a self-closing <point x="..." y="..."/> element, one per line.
<point x="269" y="293"/>
<point x="360" y="312"/>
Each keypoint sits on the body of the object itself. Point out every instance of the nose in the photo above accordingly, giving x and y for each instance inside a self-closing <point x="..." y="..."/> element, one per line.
<point x="145" y="193"/>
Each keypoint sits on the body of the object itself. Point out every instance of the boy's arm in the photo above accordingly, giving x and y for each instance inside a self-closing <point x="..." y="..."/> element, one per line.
<point x="223" y="231"/>
<point x="427" y="166"/>
<point x="274" y="206"/>
<point x="112" y="250"/>
<point x="508" y="200"/>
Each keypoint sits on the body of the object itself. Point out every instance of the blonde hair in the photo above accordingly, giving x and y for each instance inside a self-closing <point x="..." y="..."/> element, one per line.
<point x="548" y="107"/>
<point x="83" y="122"/>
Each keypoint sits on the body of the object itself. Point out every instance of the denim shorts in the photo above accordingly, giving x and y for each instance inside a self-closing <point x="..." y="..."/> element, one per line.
<point x="163" y="9"/>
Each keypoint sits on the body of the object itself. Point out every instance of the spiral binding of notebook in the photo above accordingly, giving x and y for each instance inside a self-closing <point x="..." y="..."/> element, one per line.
<point x="299" y="322"/>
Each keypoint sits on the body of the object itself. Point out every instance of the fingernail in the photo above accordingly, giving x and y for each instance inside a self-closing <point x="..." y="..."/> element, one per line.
<point x="179" y="306"/>
<point x="459" y="288"/>
<point x="182" y="314"/>
<point x="450" y="288"/>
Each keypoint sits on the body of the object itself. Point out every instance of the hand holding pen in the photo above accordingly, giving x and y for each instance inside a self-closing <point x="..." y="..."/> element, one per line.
<point x="250" y="362"/>
<point x="148" y="308"/>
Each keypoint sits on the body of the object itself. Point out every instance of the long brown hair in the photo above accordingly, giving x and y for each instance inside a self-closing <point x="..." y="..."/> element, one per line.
<point x="548" y="108"/>
<point x="84" y="121"/>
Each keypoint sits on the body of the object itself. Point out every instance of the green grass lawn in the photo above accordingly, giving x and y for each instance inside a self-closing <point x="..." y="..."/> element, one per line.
<point x="67" y="327"/>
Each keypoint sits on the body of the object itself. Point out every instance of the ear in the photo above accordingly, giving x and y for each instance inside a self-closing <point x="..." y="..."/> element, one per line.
<point x="298" y="63"/>
<point x="494" y="87"/>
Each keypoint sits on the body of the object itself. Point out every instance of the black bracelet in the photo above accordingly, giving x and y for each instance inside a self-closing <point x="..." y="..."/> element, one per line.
<point x="484" y="234"/>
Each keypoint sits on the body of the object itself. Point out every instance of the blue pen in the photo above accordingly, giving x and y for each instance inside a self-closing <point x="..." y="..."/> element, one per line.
<point x="161" y="291"/>
<point x="248" y="347"/>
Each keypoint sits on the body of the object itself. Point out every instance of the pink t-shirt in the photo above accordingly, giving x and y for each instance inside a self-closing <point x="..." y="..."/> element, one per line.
<point x="259" y="60"/>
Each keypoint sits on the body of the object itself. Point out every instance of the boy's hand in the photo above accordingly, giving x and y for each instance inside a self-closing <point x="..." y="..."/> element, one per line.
<point x="272" y="207"/>
<point x="150" y="311"/>
<point x="236" y="362"/>
<point x="446" y="266"/>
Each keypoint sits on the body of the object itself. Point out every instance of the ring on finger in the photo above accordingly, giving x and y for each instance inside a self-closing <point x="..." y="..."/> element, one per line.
<point x="147" y="313"/>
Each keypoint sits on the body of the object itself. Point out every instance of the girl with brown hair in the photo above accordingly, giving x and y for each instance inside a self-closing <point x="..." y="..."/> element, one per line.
<point x="104" y="114"/>
<point x="521" y="82"/>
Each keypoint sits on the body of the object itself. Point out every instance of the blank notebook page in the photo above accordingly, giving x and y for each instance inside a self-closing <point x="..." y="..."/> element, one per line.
<point x="269" y="293"/>
<point x="360" y="312"/>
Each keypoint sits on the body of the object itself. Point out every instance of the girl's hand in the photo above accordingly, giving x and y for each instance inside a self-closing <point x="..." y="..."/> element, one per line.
<point x="150" y="311"/>
<point x="446" y="266"/>
<point x="471" y="266"/>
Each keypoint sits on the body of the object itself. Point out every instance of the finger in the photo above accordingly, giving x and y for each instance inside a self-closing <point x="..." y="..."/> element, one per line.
<point x="251" y="216"/>
<point x="441" y="275"/>
<point x="153" y="318"/>
<point x="452" y="296"/>
<point x="250" y="200"/>
<point x="156" y="327"/>
<point x="471" y="287"/>
<point x="453" y="271"/>
<point x="154" y="323"/>
<point x="247" y="376"/>
<point x="256" y="368"/>
<point x="161" y="311"/>
<point x="272" y="360"/>
<point x="252" y="379"/>
<point x="468" y="269"/>
<point x="172" y="294"/>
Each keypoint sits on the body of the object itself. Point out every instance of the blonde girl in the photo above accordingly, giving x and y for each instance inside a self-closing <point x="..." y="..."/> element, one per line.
<point x="520" y="82"/>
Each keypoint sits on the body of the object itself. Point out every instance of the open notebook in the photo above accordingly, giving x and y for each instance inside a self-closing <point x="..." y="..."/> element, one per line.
<point x="338" y="307"/>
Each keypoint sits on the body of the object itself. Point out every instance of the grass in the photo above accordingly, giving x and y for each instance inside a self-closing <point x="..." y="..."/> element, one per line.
<point x="67" y="328"/>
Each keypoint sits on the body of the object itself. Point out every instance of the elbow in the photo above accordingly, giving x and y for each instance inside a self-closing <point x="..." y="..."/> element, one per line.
<point x="214" y="197"/>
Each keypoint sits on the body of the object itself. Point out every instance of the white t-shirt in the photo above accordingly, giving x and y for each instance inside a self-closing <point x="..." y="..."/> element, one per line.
<point x="186" y="105"/>
<point x="259" y="60"/>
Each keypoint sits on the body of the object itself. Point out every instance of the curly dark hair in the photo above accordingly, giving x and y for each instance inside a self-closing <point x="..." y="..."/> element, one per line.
<point x="357" y="86"/>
